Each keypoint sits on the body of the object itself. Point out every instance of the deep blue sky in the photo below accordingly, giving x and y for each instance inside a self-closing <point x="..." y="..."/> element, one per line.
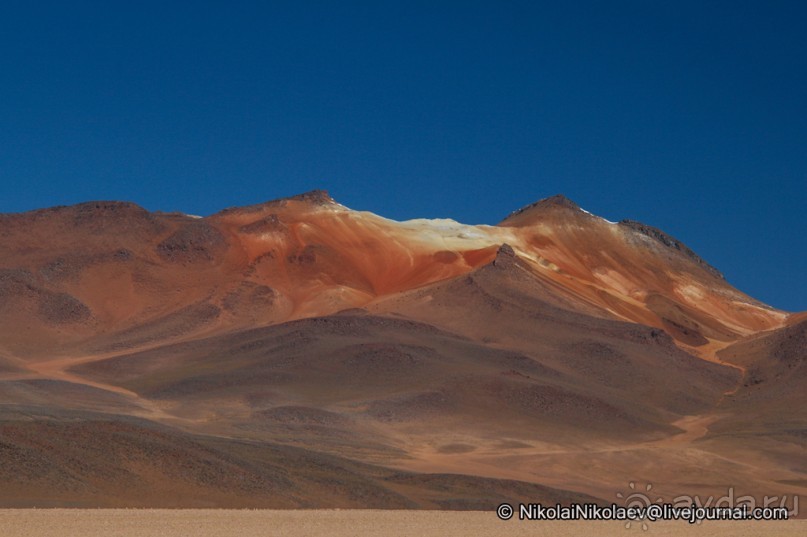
<point x="689" y="116"/>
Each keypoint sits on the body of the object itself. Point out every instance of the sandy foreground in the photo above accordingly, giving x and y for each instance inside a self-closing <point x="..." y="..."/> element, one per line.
<point x="247" y="523"/>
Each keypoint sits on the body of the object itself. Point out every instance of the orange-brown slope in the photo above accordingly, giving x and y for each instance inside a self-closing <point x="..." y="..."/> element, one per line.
<point x="102" y="276"/>
<point x="640" y="274"/>
<point x="72" y="459"/>
<point x="618" y="381"/>
<point x="70" y="274"/>
<point x="762" y="421"/>
<point x="775" y="376"/>
<point x="105" y="275"/>
<point x="325" y="257"/>
<point x="505" y="306"/>
<point x="534" y="391"/>
<point x="526" y="366"/>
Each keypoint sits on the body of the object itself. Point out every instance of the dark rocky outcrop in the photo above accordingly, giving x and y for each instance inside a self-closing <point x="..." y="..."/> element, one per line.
<point x="505" y="256"/>
<point x="671" y="242"/>
<point x="193" y="242"/>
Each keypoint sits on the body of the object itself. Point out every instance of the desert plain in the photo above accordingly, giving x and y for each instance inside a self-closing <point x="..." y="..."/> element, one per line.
<point x="343" y="523"/>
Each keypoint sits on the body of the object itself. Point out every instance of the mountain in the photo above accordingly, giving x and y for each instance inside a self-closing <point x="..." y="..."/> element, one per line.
<point x="297" y="353"/>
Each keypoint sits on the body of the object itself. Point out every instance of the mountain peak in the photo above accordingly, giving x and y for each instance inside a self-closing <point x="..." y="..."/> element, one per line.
<point x="553" y="203"/>
<point x="316" y="198"/>
<point x="558" y="200"/>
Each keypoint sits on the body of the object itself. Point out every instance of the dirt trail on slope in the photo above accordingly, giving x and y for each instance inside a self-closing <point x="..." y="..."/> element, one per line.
<point x="57" y="370"/>
<point x="693" y="428"/>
